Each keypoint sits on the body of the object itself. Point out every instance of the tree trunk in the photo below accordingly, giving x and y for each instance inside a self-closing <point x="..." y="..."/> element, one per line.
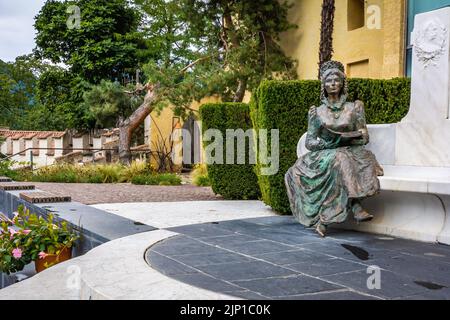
<point x="326" y="32"/>
<point x="230" y="32"/>
<point x="240" y="92"/>
<point x="129" y="125"/>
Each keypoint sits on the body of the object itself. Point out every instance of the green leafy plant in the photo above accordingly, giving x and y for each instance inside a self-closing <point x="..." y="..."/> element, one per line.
<point x="28" y="237"/>
<point x="200" y="176"/>
<point x="166" y="179"/>
<point x="134" y="169"/>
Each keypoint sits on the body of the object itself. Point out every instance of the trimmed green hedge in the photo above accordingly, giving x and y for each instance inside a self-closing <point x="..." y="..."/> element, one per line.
<point x="233" y="182"/>
<point x="284" y="105"/>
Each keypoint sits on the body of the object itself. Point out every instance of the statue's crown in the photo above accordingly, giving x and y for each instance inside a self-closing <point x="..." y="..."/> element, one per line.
<point x="331" y="65"/>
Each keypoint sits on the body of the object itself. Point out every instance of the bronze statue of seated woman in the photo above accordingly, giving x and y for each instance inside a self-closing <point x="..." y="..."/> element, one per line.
<point x="326" y="185"/>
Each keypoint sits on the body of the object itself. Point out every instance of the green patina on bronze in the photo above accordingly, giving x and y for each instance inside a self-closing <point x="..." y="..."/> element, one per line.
<point x="325" y="185"/>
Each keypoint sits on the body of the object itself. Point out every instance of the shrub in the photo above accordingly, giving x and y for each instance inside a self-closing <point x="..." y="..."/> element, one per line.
<point x="232" y="181"/>
<point x="200" y="176"/>
<point x="7" y="171"/>
<point x="90" y="173"/>
<point x="110" y="173"/>
<point x="284" y="105"/>
<point x="63" y="173"/>
<point x="166" y="179"/>
<point x="134" y="169"/>
<point x="74" y="173"/>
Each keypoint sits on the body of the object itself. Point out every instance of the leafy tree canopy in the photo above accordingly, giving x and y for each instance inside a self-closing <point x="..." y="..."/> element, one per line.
<point x="188" y="49"/>
<point x="106" y="45"/>
<point x="18" y="83"/>
<point x="229" y="46"/>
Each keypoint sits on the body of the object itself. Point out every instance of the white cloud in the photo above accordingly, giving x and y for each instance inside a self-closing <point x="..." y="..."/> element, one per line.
<point x="16" y="27"/>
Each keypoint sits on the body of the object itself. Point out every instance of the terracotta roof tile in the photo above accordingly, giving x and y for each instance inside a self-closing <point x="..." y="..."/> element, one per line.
<point x="17" y="134"/>
<point x="143" y="147"/>
<point x="44" y="135"/>
<point x="29" y="135"/>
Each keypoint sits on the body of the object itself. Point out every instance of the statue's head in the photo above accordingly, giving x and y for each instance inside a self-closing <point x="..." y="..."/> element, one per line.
<point x="333" y="80"/>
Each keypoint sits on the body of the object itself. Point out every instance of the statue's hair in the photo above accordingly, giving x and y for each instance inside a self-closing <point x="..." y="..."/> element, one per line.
<point x="327" y="69"/>
<point x="331" y="65"/>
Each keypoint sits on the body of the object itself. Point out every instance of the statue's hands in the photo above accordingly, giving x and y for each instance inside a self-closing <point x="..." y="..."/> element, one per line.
<point x="321" y="144"/>
<point x="315" y="144"/>
<point x="363" y="140"/>
<point x="358" y="142"/>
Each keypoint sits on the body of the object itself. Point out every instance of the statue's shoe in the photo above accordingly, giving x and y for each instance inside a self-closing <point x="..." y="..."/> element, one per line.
<point x="321" y="230"/>
<point x="363" y="216"/>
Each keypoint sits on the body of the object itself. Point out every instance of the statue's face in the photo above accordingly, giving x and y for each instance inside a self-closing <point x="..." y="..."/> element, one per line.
<point x="333" y="84"/>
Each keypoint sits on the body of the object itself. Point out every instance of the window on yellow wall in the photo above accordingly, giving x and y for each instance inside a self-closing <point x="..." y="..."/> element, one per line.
<point x="355" y="14"/>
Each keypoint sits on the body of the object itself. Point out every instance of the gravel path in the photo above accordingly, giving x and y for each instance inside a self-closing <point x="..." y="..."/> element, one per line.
<point x="125" y="193"/>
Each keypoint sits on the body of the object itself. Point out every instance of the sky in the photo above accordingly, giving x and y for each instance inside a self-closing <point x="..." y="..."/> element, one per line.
<point x="16" y="27"/>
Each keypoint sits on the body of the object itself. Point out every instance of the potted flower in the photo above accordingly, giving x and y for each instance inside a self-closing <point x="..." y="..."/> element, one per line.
<point x="28" y="237"/>
<point x="13" y="257"/>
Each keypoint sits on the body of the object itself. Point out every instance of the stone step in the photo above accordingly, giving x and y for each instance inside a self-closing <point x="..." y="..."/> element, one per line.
<point x="11" y="186"/>
<point x="44" y="197"/>
<point x="5" y="179"/>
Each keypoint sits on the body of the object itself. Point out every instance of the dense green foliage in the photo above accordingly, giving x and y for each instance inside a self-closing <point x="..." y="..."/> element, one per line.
<point x="232" y="181"/>
<point x="60" y="96"/>
<point x="71" y="173"/>
<point x="6" y="171"/>
<point x="215" y="48"/>
<point x="137" y="173"/>
<point x="18" y="90"/>
<point x="228" y="46"/>
<point x="109" y="103"/>
<point x="106" y="45"/>
<point x="285" y="106"/>
<point x="37" y="96"/>
<point x="165" y="179"/>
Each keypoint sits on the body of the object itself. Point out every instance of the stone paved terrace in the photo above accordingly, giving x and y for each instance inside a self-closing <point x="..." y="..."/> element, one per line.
<point x="126" y="193"/>
<point x="240" y="249"/>
<point x="276" y="258"/>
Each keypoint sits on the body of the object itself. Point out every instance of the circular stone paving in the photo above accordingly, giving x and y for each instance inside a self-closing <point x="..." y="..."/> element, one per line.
<point x="277" y="258"/>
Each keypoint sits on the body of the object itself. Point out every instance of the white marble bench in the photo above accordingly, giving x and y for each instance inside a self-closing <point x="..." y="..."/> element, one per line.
<point x="414" y="202"/>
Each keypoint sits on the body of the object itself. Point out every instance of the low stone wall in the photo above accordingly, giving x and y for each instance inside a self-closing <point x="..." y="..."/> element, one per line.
<point x="95" y="226"/>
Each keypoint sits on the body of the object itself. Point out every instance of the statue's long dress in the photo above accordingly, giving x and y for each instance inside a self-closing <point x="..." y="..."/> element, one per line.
<point x="322" y="184"/>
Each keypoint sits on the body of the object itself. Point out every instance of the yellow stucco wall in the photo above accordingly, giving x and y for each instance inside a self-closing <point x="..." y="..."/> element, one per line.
<point x="370" y="53"/>
<point x="161" y="125"/>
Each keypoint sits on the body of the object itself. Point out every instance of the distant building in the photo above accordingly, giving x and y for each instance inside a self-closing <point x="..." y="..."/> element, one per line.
<point x="45" y="148"/>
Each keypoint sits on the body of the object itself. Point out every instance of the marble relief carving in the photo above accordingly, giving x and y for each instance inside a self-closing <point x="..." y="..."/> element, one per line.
<point x="430" y="42"/>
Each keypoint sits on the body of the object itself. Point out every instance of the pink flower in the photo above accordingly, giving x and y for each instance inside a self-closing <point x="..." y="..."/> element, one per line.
<point x="26" y="231"/>
<point x="42" y="255"/>
<point x="17" y="253"/>
<point x="12" y="232"/>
